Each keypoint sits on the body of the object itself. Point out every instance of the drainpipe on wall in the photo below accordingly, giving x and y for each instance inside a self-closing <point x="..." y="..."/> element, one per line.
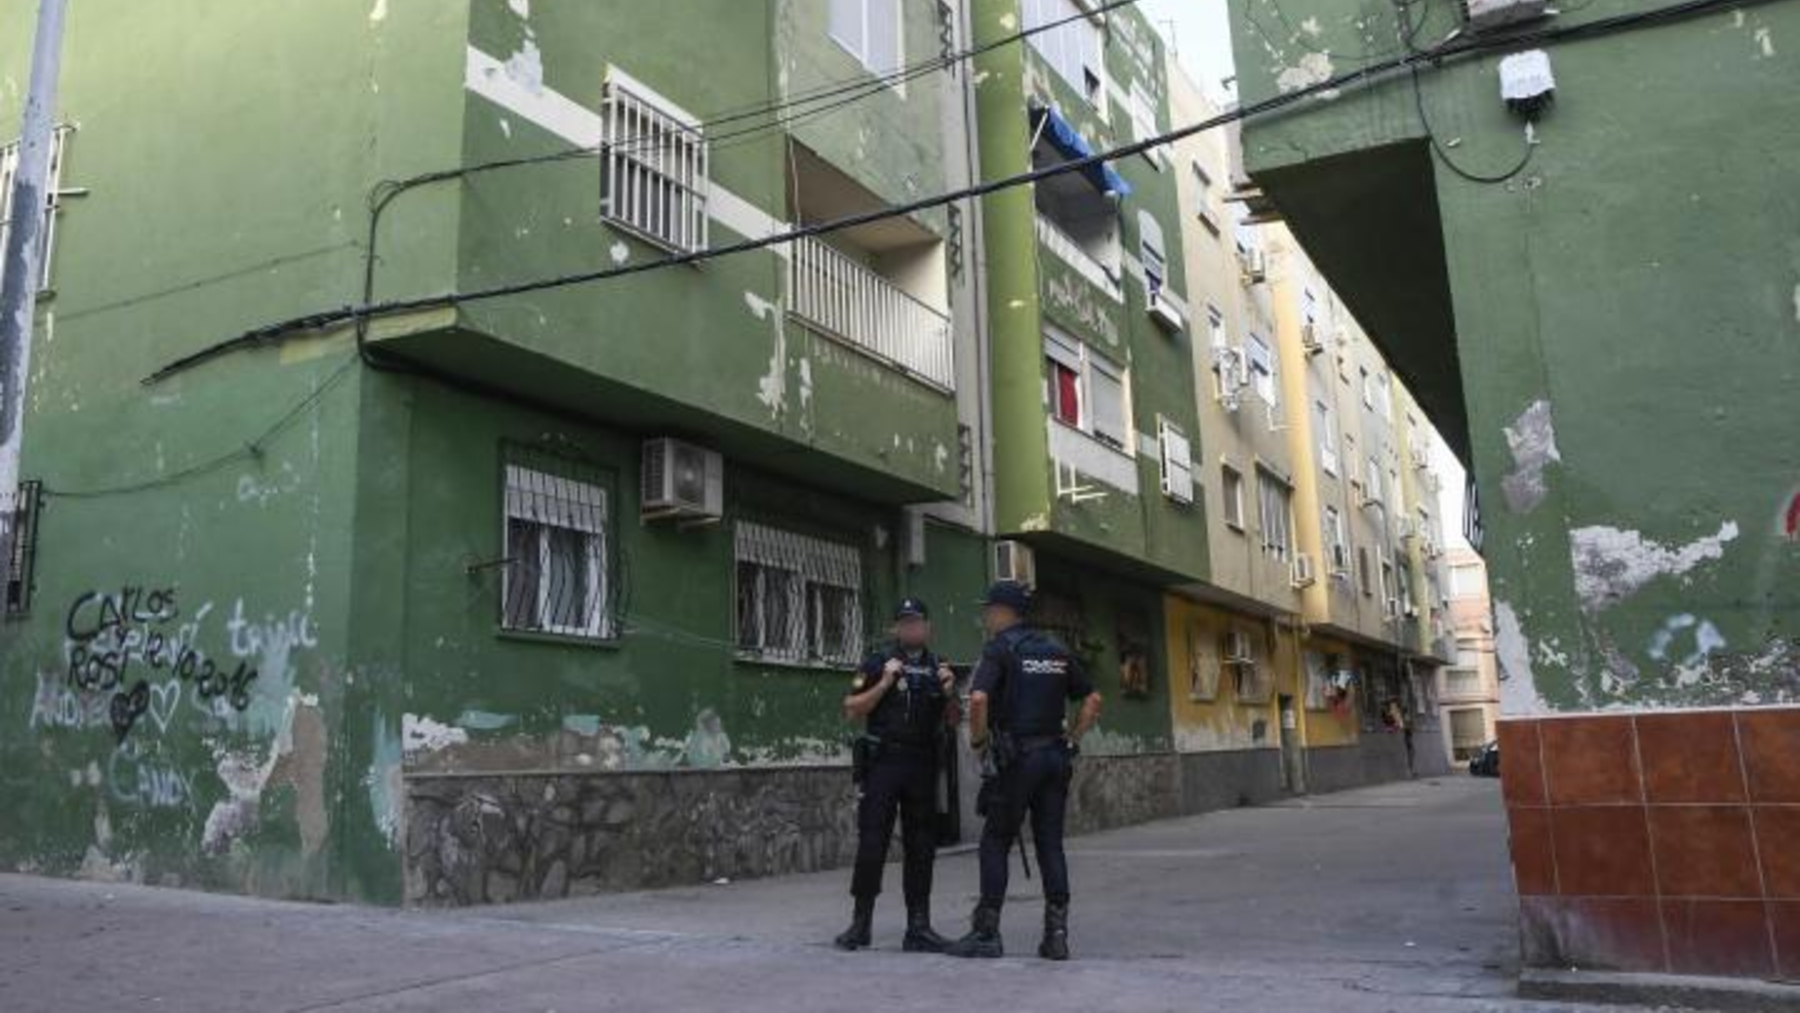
<point x="23" y="272"/>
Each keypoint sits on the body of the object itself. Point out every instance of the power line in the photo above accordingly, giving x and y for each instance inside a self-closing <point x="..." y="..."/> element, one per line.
<point x="1409" y="31"/>
<point x="250" y="451"/>
<point x="1435" y="58"/>
<point x="383" y="194"/>
<point x="860" y="87"/>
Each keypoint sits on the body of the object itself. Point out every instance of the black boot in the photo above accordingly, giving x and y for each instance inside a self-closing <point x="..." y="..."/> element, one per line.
<point x="1056" y="931"/>
<point x="983" y="939"/>
<point x="920" y="936"/>
<point x="856" y="937"/>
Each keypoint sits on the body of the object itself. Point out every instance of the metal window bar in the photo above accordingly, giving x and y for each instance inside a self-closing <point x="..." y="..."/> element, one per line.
<point x="9" y="167"/>
<point x="654" y="172"/>
<point x="557" y="571"/>
<point x="799" y="599"/>
<point x="847" y="301"/>
<point x="21" y="556"/>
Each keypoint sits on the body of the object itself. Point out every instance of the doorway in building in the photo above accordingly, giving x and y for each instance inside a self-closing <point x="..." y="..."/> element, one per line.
<point x="1293" y="769"/>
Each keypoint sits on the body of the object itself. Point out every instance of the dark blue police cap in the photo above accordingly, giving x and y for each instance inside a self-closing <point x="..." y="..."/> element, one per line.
<point x="1009" y="594"/>
<point x="911" y="608"/>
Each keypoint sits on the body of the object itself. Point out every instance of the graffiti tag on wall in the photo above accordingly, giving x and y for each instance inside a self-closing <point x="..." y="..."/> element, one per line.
<point x="117" y="642"/>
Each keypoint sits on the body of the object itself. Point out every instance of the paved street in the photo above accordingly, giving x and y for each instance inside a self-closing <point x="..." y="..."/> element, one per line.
<point x="1392" y="898"/>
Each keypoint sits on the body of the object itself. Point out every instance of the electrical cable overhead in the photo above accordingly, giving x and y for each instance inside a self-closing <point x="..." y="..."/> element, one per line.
<point x="1434" y="58"/>
<point x="1409" y="31"/>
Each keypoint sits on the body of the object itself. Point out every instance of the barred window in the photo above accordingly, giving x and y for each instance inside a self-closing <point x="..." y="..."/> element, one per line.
<point x="556" y="578"/>
<point x="799" y="598"/>
<point x="653" y="165"/>
<point x="21" y="539"/>
<point x="9" y="167"/>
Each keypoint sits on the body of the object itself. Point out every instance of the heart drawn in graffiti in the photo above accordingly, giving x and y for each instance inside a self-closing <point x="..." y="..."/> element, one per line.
<point x="163" y="699"/>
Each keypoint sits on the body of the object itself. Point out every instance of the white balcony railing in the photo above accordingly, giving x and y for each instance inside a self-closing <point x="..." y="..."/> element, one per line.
<point x="854" y="304"/>
<point x="1070" y="252"/>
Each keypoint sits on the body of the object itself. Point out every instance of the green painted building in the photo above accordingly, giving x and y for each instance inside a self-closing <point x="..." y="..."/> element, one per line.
<point x="1093" y="411"/>
<point x="1598" y="302"/>
<point x="531" y="587"/>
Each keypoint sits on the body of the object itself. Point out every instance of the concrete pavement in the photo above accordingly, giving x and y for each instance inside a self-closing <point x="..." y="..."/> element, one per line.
<point x="1390" y="898"/>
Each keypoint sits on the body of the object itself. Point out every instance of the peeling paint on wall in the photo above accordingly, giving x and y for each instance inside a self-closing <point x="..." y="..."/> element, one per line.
<point x="423" y="735"/>
<point x="1518" y="683"/>
<point x="1613" y="564"/>
<point x="1313" y="68"/>
<point x="1531" y="440"/>
<point x="383" y="780"/>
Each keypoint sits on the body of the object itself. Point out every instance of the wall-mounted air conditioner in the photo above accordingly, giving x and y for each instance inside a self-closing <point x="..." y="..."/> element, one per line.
<point x="1165" y="314"/>
<point x="1310" y="340"/>
<point x="1014" y="561"/>
<point x="682" y="481"/>
<point x="1303" y="575"/>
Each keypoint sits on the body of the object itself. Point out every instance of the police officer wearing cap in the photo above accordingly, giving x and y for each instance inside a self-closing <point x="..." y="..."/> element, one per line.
<point x="1018" y="711"/>
<point x="903" y="693"/>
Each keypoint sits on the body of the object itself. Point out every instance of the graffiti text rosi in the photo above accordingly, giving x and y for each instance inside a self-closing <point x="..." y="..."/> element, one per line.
<point x="111" y="633"/>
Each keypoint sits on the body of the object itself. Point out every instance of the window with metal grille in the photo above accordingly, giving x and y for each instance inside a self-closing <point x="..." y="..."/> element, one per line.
<point x="557" y="574"/>
<point x="799" y="598"/>
<point x="9" y="167"/>
<point x="653" y="167"/>
<point x="21" y="557"/>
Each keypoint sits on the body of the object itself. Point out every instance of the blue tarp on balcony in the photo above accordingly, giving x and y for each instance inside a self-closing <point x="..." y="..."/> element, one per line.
<point x="1063" y="136"/>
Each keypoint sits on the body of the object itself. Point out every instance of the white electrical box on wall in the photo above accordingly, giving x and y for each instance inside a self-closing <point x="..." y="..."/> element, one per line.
<point x="1481" y="15"/>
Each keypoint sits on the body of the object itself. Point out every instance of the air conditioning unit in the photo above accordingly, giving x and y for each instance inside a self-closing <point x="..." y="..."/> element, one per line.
<point x="1232" y="365"/>
<point x="1303" y="575"/>
<point x="1421" y="457"/>
<point x="1237" y="648"/>
<point x="682" y="481"/>
<point x="1487" y="15"/>
<point x="1391" y="609"/>
<point x="1410" y="610"/>
<point x="1310" y="340"/>
<point x="1014" y="561"/>
<point x="1405" y="528"/>
<point x="1233" y="368"/>
<point x="1165" y="314"/>
<point x="1253" y="267"/>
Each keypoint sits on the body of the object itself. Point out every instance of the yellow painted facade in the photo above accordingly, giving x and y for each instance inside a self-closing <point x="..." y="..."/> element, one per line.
<point x="1219" y="702"/>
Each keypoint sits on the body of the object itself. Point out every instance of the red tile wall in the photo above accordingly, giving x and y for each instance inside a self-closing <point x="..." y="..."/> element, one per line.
<point x="1665" y="842"/>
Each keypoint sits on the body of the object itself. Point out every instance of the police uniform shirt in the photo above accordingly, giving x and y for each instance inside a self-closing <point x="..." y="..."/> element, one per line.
<point x="1031" y="678"/>
<point x="912" y="710"/>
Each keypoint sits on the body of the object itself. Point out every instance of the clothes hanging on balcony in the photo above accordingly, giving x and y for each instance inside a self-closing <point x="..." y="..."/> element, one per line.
<point x="1063" y="136"/>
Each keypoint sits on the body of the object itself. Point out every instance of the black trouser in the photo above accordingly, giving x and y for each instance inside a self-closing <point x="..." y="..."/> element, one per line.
<point x="902" y="780"/>
<point x="1037" y="783"/>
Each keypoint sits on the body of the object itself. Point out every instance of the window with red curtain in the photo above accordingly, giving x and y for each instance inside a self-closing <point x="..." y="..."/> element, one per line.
<point x="1067" y="391"/>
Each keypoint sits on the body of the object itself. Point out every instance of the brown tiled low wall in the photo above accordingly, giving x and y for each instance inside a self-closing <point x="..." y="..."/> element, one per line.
<point x="1662" y="842"/>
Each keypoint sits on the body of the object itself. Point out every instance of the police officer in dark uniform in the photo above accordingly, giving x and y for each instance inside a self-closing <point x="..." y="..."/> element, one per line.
<point x="1018" y="710"/>
<point x="904" y="694"/>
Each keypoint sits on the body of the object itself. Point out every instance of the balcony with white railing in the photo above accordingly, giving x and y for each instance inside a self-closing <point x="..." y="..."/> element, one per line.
<point x="841" y="298"/>
<point x="1070" y="252"/>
